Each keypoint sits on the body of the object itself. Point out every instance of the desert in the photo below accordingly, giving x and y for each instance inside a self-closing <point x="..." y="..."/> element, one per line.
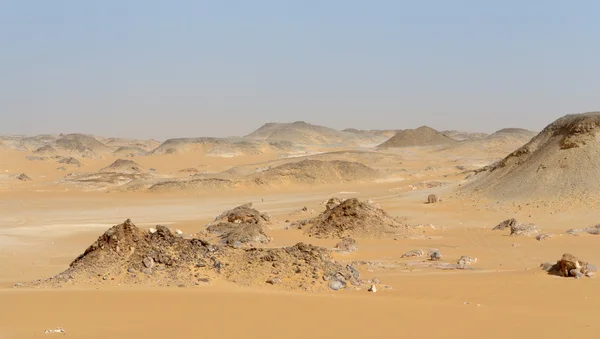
<point x="299" y="169"/>
<point x="358" y="232"/>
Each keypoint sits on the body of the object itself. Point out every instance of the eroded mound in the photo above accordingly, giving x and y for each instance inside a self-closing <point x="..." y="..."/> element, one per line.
<point x="241" y="225"/>
<point x="222" y="146"/>
<point x="46" y="150"/>
<point x="302" y="266"/>
<point x="85" y="145"/>
<point x="315" y="172"/>
<point x="422" y="136"/>
<point x="351" y="218"/>
<point x="193" y="185"/>
<point x="562" y="163"/>
<point x="123" y="166"/>
<point x="298" y="132"/>
<point x="128" y="255"/>
<point x="127" y="151"/>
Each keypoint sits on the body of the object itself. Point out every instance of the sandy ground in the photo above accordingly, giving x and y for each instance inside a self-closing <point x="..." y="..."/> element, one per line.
<point x="43" y="227"/>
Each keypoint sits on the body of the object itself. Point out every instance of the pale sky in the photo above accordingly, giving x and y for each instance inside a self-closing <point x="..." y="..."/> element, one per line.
<point x="218" y="68"/>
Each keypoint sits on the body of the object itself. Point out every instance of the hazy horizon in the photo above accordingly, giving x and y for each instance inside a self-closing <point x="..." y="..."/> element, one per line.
<point x="157" y="70"/>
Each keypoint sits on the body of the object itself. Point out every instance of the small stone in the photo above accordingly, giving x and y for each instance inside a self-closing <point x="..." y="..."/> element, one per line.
<point x="547" y="266"/>
<point x="218" y="265"/>
<point x="181" y="285"/>
<point x="18" y="285"/>
<point x="104" y="278"/>
<point x="543" y="236"/>
<point x="414" y="254"/>
<point x="337" y="285"/>
<point x="147" y="271"/>
<point x="148" y="262"/>
<point x="201" y="264"/>
<point x="179" y="232"/>
<point x="274" y="281"/>
<point x="131" y="270"/>
<point x="152" y="230"/>
<point x="435" y="255"/>
<point x="576" y="274"/>
<point x="373" y="288"/>
<point x="354" y="271"/>
<point x="466" y="260"/>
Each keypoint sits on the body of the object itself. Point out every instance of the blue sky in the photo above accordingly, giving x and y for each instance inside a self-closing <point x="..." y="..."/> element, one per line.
<point x="217" y="68"/>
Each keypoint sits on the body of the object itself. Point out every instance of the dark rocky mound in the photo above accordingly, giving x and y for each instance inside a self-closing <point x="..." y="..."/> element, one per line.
<point x="241" y="225"/>
<point x="123" y="166"/>
<point x="128" y="255"/>
<point x="353" y="217"/>
<point x="570" y="266"/>
<point x="302" y="266"/>
<point x="422" y="136"/>
<point x="562" y="163"/>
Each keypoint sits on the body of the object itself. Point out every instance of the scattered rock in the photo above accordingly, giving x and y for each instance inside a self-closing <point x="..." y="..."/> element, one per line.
<point x="414" y="254"/>
<point x="274" y="281"/>
<point x="466" y="260"/>
<point x="373" y="288"/>
<point x="337" y="285"/>
<point x="148" y="262"/>
<point x="523" y="230"/>
<point x="570" y="266"/>
<point x="509" y="223"/>
<point x="432" y="199"/>
<point x="23" y="177"/>
<point x="544" y="236"/>
<point x="594" y="230"/>
<point x="55" y="330"/>
<point x="435" y="255"/>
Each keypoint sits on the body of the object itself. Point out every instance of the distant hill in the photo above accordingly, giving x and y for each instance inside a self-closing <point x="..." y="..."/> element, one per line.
<point x="299" y="132"/>
<point x="462" y="136"/>
<point x="422" y="136"/>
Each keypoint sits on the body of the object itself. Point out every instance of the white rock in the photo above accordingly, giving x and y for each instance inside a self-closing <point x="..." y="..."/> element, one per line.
<point x="152" y="230"/>
<point x="56" y="330"/>
<point x="178" y="231"/>
<point x="373" y="288"/>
